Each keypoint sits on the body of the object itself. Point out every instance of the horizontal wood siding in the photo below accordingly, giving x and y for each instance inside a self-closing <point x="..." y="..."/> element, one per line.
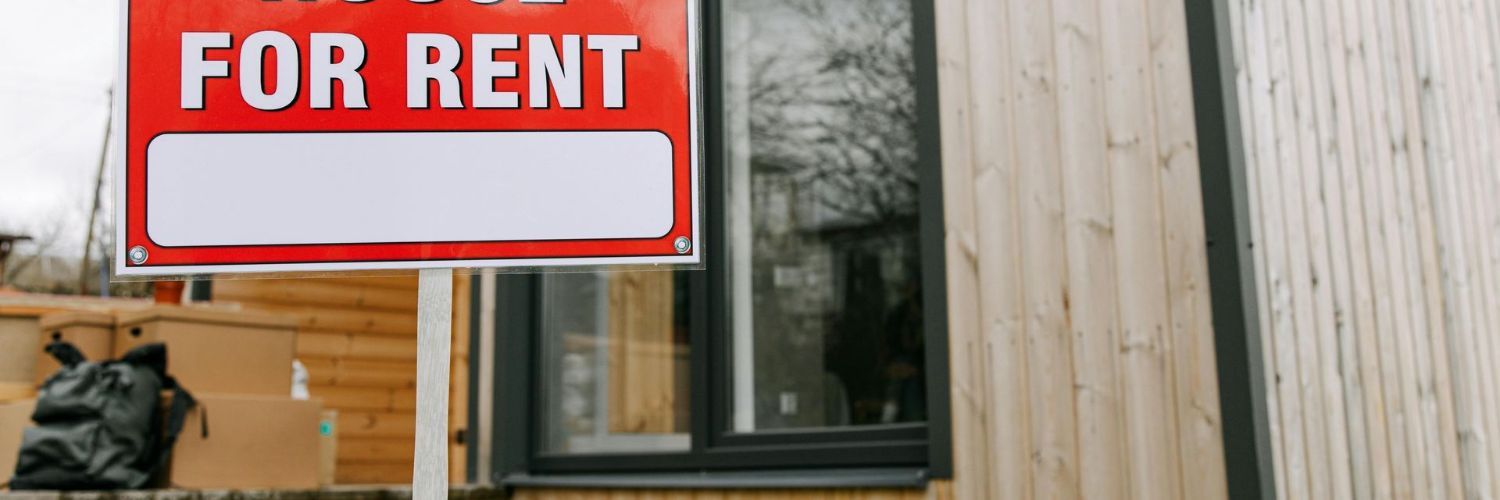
<point x="357" y="338"/>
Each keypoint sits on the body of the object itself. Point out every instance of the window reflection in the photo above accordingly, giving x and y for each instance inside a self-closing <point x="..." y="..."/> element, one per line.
<point x="822" y="214"/>
<point x="614" y="363"/>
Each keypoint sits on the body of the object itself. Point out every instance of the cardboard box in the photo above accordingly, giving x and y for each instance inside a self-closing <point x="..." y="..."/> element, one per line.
<point x="14" y="417"/>
<point x="19" y="346"/>
<point x="253" y="442"/>
<point x="328" y="447"/>
<point x="216" y="351"/>
<point x="93" y="333"/>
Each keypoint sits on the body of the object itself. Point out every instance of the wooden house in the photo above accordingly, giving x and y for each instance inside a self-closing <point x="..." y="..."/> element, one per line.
<point x="1007" y="249"/>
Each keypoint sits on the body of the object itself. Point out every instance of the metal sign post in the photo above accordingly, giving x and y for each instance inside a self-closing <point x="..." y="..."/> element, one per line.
<point x="434" y="346"/>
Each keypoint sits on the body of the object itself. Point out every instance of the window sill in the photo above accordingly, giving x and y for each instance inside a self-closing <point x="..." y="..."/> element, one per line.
<point x="793" y="479"/>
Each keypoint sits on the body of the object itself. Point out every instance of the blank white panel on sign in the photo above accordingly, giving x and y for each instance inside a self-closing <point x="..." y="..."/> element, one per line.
<point x="221" y="189"/>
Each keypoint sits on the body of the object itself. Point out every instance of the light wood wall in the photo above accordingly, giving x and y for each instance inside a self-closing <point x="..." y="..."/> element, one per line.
<point x="1370" y="129"/>
<point x="643" y="360"/>
<point x="1082" y="342"/>
<point x="357" y="338"/>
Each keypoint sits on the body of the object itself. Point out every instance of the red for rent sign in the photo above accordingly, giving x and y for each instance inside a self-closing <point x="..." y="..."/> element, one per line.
<point x="325" y="135"/>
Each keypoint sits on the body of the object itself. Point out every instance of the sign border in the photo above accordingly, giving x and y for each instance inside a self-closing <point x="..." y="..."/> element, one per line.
<point x="692" y="260"/>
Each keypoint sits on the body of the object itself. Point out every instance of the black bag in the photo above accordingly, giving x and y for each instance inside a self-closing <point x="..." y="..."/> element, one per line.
<point x="99" y="424"/>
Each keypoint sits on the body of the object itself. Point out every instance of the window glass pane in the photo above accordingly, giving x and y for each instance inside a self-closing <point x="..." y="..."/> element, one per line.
<point x="614" y="363"/>
<point x="822" y="214"/>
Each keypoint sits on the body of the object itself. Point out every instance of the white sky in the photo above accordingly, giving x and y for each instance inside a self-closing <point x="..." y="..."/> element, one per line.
<point x="57" y="62"/>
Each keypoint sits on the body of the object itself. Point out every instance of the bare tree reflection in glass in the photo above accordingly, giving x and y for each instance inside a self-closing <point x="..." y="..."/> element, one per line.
<point x="823" y="214"/>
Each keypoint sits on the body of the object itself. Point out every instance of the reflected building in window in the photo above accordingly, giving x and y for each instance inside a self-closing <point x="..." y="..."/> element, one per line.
<point x="822" y="184"/>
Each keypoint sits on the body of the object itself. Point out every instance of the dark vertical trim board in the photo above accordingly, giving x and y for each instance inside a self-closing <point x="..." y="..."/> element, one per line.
<point x="1231" y="264"/>
<point x="934" y="256"/>
<point x="512" y="439"/>
<point x="471" y="432"/>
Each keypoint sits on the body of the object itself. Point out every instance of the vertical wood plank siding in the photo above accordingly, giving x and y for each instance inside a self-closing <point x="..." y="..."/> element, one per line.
<point x="1370" y="131"/>
<point x="1081" y="340"/>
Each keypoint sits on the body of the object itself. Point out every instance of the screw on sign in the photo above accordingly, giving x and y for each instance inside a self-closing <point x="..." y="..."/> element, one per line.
<point x="341" y="135"/>
<point x="137" y="255"/>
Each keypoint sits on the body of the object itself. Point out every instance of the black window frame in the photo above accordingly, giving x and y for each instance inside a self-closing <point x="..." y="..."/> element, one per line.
<point x="516" y="447"/>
